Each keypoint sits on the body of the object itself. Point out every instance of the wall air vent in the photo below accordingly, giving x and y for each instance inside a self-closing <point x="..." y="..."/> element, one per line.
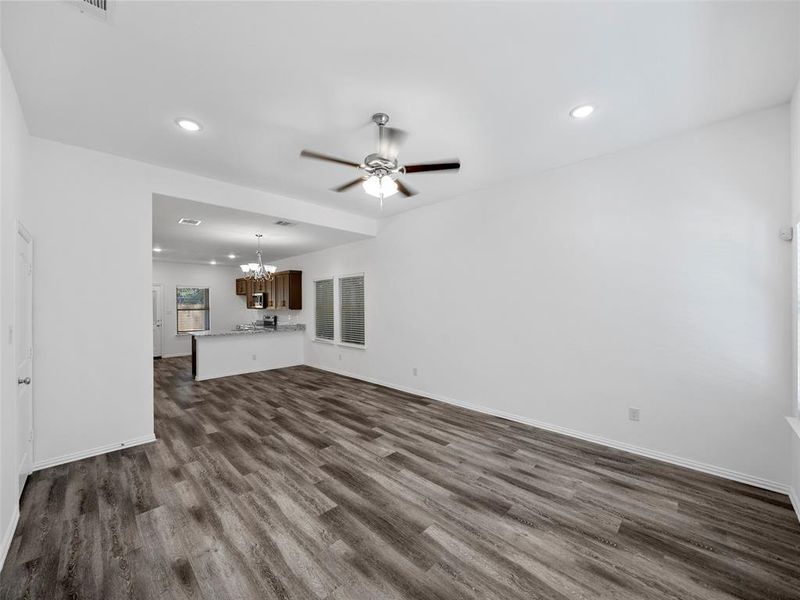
<point x="95" y="8"/>
<point x="185" y="221"/>
<point x="284" y="223"/>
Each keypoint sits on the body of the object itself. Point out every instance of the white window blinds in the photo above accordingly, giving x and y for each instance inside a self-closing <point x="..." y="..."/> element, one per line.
<point x="351" y="309"/>
<point x="324" y="309"/>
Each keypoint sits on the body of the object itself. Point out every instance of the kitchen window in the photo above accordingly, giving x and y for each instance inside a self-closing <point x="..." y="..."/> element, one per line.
<point x="323" y="316"/>
<point x="192" y="308"/>
<point x="351" y="309"/>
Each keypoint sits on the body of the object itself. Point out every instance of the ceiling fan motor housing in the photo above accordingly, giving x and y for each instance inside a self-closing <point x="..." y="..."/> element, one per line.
<point x="380" y="119"/>
<point x="375" y="164"/>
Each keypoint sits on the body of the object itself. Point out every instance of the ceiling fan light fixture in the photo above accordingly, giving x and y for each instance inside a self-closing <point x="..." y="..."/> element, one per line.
<point x="383" y="186"/>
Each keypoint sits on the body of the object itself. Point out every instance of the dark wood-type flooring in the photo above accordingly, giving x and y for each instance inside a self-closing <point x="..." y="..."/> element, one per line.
<point x="301" y="484"/>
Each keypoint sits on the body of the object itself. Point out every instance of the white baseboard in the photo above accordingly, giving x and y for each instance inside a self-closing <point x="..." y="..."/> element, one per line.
<point x="73" y="456"/>
<point x="654" y="454"/>
<point x="8" y="535"/>
<point x="178" y="355"/>
<point x="795" y="502"/>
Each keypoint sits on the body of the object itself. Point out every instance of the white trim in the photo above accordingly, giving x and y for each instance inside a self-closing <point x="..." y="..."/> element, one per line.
<point x="795" y="502"/>
<point x="73" y="456"/>
<point x="694" y="465"/>
<point x="8" y="535"/>
<point x="176" y="355"/>
<point x="351" y="345"/>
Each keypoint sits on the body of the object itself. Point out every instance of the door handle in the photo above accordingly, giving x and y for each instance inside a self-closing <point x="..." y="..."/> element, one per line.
<point x="26" y="381"/>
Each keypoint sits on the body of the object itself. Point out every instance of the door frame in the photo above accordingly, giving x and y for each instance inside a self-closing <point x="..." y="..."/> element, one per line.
<point x="160" y="286"/>
<point x="22" y="231"/>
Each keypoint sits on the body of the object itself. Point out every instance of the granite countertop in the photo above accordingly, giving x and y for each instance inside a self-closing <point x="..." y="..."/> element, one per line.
<point x="257" y="331"/>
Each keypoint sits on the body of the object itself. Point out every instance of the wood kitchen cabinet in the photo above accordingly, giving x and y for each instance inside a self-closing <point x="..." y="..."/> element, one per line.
<point x="269" y="300"/>
<point x="241" y="286"/>
<point x="285" y="291"/>
<point x="289" y="290"/>
<point x="249" y="294"/>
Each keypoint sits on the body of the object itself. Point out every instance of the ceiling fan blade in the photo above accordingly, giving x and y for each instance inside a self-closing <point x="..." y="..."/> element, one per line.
<point x="333" y="159"/>
<point x="348" y="185"/>
<point x="393" y="138"/>
<point x="453" y="165"/>
<point x="404" y="189"/>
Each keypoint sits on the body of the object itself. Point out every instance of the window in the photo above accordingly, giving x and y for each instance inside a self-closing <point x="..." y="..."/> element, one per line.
<point x="192" y="308"/>
<point x="351" y="309"/>
<point x="324" y="309"/>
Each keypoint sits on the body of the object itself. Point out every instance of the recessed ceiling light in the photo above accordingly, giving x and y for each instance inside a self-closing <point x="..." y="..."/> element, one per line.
<point x="231" y="256"/>
<point x="188" y="124"/>
<point x="581" y="112"/>
<point x="187" y="221"/>
<point x="212" y="262"/>
<point x="156" y="249"/>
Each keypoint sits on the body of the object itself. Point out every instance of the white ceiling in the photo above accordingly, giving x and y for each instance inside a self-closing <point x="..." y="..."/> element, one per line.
<point x="491" y="83"/>
<point x="225" y="231"/>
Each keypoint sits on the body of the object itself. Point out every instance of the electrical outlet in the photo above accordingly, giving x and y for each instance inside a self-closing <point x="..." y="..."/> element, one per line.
<point x="254" y="357"/>
<point x="340" y="357"/>
<point x="414" y="371"/>
<point x="633" y="413"/>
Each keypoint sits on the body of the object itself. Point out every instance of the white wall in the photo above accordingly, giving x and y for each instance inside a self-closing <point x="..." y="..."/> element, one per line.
<point x="226" y="309"/>
<point x="14" y="136"/>
<point x="91" y="217"/>
<point x="652" y="278"/>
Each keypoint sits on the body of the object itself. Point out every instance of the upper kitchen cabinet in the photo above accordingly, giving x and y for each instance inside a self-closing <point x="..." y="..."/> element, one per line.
<point x="241" y="286"/>
<point x="285" y="291"/>
<point x="288" y="287"/>
<point x="260" y="286"/>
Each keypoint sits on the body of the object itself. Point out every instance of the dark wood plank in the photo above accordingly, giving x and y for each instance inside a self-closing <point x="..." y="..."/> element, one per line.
<point x="297" y="483"/>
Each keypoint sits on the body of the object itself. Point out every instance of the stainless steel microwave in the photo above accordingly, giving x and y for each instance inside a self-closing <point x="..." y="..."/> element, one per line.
<point x="258" y="300"/>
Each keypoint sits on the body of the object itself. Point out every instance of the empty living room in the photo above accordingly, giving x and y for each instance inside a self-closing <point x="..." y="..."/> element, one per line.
<point x="399" y="300"/>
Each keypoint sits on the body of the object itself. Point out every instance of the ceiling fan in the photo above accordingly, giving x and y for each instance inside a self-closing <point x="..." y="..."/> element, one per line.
<point x="381" y="170"/>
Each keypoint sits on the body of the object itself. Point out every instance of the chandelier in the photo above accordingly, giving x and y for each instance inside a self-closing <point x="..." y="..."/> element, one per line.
<point x="258" y="271"/>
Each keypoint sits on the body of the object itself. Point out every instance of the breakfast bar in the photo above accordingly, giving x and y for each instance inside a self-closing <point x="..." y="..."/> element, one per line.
<point x="224" y="353"/>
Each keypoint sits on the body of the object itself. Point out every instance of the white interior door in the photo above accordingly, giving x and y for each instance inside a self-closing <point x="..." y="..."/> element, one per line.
<point x="23" y="352"/>
<point x="158" y="307"/>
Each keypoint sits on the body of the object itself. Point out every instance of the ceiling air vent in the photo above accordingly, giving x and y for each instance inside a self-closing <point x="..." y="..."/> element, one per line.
<point x="185" y="221"/>
<point x="95" y="8"/>
<point x="284" y="223"/>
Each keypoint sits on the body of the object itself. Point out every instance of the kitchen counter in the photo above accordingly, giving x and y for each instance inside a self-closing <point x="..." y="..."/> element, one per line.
<point x="257" y="330"/>
<point x="233" y="352"/>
